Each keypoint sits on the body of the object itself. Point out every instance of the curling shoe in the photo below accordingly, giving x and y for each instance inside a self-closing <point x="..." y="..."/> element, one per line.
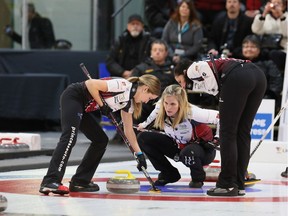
<point x="56" y="188"/>
<point x="241" y="192"/>
<point x="79" y="187"/>
<point x="223" y="191"/>
<point x="166" y="179"/>
<point x="195" y="184"/>
<point x="285" y="173"/>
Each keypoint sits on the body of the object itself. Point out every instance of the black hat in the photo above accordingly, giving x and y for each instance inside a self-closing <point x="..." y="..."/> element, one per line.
<point x="135" y="17"/>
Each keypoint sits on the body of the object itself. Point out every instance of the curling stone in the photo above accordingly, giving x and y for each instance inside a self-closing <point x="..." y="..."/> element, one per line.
<point x="3" y="203"/>
<point x="123" y="184"/>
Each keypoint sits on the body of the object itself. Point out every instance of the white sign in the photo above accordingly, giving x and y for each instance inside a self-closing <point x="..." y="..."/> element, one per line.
<point x="263" y="120"/>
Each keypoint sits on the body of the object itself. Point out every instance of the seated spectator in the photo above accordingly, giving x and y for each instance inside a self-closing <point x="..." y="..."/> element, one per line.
<point x="183" y="32"/>
<point x="40" y="33"/>
<point x="159" y="65"/>
<point x="251" y="51"/>
<point x="157" y="14"/>
<point x="273" y="21"/>
<point x="228" y="31"/>
<point x="132" y="48"/>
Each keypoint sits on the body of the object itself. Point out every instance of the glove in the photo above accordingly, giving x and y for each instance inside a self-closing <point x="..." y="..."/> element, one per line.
<point x="141" y="161"/>
<point x="208" y="146"/>
<point x="216" y="142"/>
<point x="106" y="110"/>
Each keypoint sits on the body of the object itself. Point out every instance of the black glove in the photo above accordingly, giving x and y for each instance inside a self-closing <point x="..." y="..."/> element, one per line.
<point x="106" y="110"/>
<point x="141" y="161"/>
<point x="216" y="142"/>
<point x="208" y="146"/>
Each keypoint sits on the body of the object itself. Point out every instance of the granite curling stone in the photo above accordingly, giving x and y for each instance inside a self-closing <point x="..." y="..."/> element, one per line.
<point x="123" y="184"/>
<point x="3" y="203"/>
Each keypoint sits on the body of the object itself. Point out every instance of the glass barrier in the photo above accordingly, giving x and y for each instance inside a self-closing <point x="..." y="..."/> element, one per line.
<point x="63" y="24"/>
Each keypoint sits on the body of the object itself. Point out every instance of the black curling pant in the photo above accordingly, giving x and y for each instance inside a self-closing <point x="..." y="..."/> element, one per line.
<point x="73" y="118"/>
<point x="158" y="147"/>
<point x="241" y="94"/>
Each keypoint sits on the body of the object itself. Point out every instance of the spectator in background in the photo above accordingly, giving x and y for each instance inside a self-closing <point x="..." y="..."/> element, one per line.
<point x="157" y="14"/>
<point x="251" y="51"/>
<point x="272" y="21"/>
<point x="229" y="30"/>
<point x="208" y="10"/>
<point x="159" y="65"/>
<point x="131" y="49"/>
<point x="40" y="33"/>
<point x="183" y="32"/>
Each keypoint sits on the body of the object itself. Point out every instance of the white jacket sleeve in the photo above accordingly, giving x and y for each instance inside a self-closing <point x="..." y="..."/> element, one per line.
<point x="208" y="116"/>
<point x="152" y="116"/>
<point x="257" y="25"/>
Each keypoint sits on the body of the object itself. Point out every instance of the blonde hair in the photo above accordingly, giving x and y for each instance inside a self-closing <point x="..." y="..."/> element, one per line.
<point x="184" y="106"/>
<point x="154" y="87"/>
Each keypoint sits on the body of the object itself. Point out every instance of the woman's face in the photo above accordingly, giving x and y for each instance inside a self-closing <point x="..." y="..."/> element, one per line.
<point x="276" y="7"/>
<point x="250" y="50"/>
<point x="143" y="96"/>
<point x="181" y="80"/>
<point x="184" y="10"/>
<point x="171" y="105"/>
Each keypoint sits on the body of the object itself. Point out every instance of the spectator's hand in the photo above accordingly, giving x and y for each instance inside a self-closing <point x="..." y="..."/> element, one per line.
<point x="126" y="74"/>
<point x="8" y="30"/>
<point x="141" y="161"/>
<point x="216" y="141"/>
<point x="176" y="59"/>
<point x="106" y="110"/>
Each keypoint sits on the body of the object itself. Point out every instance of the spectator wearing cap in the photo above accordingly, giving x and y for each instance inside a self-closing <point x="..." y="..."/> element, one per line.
<point x="131" y="48"/>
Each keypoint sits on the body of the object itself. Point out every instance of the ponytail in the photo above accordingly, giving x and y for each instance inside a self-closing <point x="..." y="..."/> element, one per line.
<point x="154" y="87"/>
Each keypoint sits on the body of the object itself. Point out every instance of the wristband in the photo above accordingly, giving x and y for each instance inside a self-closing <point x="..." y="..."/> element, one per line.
<point x="139" y="153"/>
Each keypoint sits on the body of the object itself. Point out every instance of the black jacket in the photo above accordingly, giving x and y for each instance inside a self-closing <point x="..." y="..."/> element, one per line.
<point x="218" y="35"/>
<point x="274" y="79"/>
<point x="163" y="72"/>
<point x="128" y="52"/>
<point x="41" y="34"/>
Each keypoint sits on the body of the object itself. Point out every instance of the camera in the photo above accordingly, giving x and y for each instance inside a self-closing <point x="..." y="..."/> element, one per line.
<point x="272" y="5"/>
